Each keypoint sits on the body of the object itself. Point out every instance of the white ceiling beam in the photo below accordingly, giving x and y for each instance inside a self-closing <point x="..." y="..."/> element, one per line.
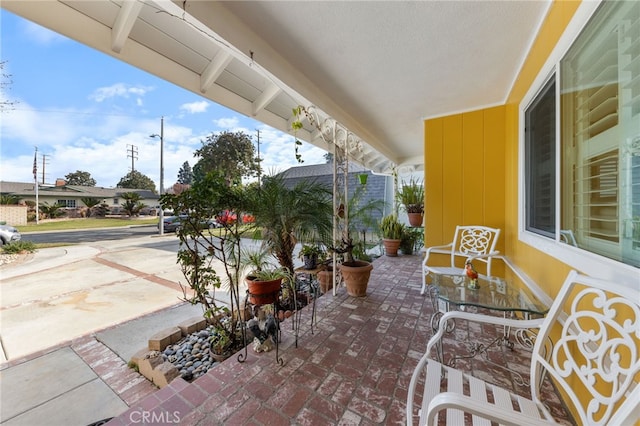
<point x="124" y="23"/>
<point x="214" y="69"/>
<point x="265" y="98"/>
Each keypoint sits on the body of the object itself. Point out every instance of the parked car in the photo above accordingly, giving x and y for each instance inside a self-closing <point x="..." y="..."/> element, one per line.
<point x="9" y="234"/>
<point x="172" y="223"/>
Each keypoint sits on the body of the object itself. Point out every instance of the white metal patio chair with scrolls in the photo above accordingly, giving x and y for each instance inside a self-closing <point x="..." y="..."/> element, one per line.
<point x="594" y="361"/>
<point x="469" y="242"/>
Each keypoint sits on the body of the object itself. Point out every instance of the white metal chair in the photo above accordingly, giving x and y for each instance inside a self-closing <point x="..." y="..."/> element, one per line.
<point x="567" y="237"/>
<point x="469" y="242"/>
<point x="594" y="361"/>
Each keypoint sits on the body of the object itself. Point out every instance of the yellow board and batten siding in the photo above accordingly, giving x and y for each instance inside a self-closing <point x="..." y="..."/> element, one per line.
<point x="471" y="165"/>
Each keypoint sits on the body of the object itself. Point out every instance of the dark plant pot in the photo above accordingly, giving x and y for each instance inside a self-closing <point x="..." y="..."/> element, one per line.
<point x="356" y="277"/>
<point x="263" y="292"/>
<point x="391" y="247"/>
<point x="310" y="261"/>
<point x="363" y="179"/>
<point x="415" y="219"/>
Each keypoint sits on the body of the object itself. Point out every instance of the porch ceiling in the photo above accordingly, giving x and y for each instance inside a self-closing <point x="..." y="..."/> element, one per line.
<point x="378" y="68"/>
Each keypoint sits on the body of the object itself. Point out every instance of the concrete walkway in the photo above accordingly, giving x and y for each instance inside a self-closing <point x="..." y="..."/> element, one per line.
<point x="70" y="319"/>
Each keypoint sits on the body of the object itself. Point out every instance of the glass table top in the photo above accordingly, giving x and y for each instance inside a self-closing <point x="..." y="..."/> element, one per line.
<point x="492" y="293"/>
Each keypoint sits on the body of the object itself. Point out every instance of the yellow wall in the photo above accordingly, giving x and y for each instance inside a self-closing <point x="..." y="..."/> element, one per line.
<point x="471" y="166"/>
<point x="464" y="173"/>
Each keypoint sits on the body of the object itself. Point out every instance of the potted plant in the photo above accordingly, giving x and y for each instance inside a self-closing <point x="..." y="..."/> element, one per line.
<point x="392" y="231"/>
<point x="264" y="286"/>
<point x="411" y="196"/>
<point x="411" y="238"/>
<point x="310" y="253"/>
<point x="262" y="277"/>
<point x="355" y="273"/>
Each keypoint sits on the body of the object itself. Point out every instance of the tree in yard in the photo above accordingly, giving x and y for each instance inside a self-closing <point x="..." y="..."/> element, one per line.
<point x="90" y="202"/>
<point x="185" y="174"/>
<point x="136" y="180"/>
<point x="132" y="204"/>
<point x="80" y="178"/>
<point x="233" y="154"/>
<point x="51" y="210"/>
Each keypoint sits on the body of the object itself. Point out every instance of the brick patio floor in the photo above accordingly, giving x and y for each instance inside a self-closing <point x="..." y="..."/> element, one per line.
<point x="353" y="369"/>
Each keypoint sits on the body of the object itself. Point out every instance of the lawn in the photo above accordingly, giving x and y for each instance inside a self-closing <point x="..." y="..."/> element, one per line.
<point x="88" y="223"/>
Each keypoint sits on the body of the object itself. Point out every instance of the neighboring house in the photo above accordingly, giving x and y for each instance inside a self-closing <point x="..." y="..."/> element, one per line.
<point x="70" y="196"/>
<point x="378" y="187"/>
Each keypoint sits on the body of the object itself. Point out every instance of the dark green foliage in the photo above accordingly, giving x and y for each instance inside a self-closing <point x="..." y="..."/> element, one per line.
<point x="185" y="174"/>
<point x="132" y="204"/>
<point x="19" y="247"/>
<point x="51" y="211"/>
<point x="80" y="178"/>
<point x="9" y="199"/>
<point x="286" y="216"/>
<point x="136" y="180"/>
<point x="90" y="202"/>
<point x="233" y="154"/>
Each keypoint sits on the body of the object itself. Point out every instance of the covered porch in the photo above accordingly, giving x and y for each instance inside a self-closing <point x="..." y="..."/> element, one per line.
<point x="353" y="369"/>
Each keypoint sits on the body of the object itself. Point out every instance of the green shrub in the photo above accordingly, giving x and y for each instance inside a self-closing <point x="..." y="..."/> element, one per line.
<point x="19" y="247"/>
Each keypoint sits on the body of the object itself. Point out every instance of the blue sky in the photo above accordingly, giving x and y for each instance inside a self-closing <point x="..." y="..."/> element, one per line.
<point x="82" y="109"/>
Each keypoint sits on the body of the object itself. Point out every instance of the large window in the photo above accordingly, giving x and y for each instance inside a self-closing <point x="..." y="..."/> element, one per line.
<point x="599" y="128"/>
<point x="540" y="148"/>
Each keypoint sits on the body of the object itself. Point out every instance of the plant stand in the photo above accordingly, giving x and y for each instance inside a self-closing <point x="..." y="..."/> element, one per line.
<point x="274" y="296"/>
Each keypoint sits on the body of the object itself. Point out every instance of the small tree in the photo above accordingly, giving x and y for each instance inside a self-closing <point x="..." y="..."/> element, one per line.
<point x="136" y="180"/>
<point x="90" y="202"/>
<point x="80" y="178"/>
<point x="200" y="250"/>
<point x="185" y="174"/>
<point x="51" y="211"/>
<point x="132" y="203"/>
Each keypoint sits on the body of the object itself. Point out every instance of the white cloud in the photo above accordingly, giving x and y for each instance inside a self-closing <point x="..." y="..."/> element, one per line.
<point x="195" y="107"/>
<point x="227" y="123"/>
<point x="119" y="90"/>
<point x="41" y="35"/>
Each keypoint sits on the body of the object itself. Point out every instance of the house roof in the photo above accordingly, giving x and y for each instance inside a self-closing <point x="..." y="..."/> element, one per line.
<point x="377" y="68"/>
<point x="28" y="190"/>
<point x="316" y="170"/>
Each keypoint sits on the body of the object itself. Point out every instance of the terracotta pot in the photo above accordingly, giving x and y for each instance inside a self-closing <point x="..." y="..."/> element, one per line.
<point x="325" y="278"/>
<point x="263" y="292"/>
<point x="415" y="219"/>
<point x="391" y="247"/>
<point x="356" y="277"/>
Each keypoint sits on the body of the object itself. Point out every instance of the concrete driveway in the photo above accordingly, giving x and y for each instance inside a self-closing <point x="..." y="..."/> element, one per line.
<point x="63" y="293"/>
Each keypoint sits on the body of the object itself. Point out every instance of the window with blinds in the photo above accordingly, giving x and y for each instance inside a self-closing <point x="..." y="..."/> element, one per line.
<point x="599" y="120"/>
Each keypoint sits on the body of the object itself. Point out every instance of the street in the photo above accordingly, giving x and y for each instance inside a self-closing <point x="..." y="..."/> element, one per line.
<point x="91" y="235"/>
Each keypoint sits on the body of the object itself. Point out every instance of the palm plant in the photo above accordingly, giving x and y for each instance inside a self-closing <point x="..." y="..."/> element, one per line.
<point x="284" y="216"/>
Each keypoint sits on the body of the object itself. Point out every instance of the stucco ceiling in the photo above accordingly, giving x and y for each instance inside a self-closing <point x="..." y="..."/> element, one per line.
<point x="376" y="67"/>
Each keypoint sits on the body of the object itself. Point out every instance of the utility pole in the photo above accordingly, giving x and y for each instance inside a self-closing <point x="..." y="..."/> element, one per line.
<point x="45" y="157"/>
<point x="35" y="181"/>
<point x="161" y="215"/>
<point x="132" y="151"/>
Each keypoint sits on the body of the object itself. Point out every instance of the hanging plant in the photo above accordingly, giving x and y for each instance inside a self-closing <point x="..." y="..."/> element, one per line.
<point x="297" y="125"/>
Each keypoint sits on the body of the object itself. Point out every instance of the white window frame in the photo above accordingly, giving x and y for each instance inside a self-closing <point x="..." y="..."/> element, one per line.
<point x="582" y="260"/>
